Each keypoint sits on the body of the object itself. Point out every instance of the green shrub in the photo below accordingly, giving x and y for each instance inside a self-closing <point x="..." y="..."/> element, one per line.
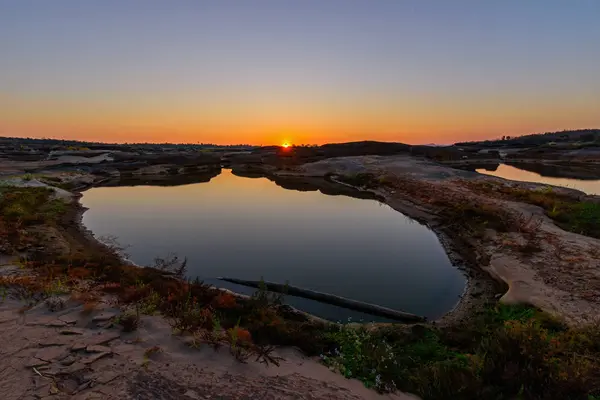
<point x="505" y="352"/>
<point x="582" y="217"/>
<point x="30" y="205"/>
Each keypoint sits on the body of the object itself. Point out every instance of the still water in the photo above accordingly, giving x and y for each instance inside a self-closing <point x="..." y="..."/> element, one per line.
<point x="250" y="228"/>
<point x="589" y="186"/>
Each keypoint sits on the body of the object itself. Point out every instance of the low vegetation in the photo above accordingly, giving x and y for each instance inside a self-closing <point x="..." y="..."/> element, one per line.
<point x="506" y="352"/>
<point x="568" y="212"/>
<point x="21" y="209"/>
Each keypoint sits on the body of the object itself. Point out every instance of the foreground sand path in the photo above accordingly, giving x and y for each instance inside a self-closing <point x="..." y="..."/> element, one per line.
<point x="69" y="355"/>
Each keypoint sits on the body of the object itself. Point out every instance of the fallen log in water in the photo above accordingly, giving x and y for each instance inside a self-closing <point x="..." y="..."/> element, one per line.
<point x="355" y="305"/>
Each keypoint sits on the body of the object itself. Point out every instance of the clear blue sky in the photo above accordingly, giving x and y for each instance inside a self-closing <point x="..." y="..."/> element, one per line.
<point x="306" y="71"/>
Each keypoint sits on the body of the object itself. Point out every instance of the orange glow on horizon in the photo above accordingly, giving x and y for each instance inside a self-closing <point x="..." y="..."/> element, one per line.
<point x="134" y="121"/>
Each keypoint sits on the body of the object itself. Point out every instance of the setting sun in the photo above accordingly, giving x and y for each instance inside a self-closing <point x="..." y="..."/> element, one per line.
<point x="285" y="145"/>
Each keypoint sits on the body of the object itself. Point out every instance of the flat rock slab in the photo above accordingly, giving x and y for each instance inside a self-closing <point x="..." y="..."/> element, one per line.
<point x="73" y="331"/>
<point x="55" y="341"/>
<point x="68" y="361"/>
<point x="95" y="340"/>
<point x="78" y="346"/>
<point x="105" y="316"/>
<point x="51" y="353"/>
<point x="69" y="318"/>
<point x="98" y="349"/>
<point x="47" y="321"/>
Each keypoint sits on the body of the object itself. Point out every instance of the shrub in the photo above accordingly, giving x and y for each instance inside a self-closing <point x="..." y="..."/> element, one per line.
<point x="129" y="321"/>
<point x="506" y="352"/>
<point x="581" y="217"/>
<point x="224" y="300"/>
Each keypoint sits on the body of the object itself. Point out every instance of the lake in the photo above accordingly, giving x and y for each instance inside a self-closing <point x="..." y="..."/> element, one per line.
<point x="250" y="228"/>
<point x="589" y="186"/>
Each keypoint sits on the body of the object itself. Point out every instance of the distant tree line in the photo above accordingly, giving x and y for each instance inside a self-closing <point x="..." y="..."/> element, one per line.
<point x="78" y="144"/>
<point x="566" y="136"/>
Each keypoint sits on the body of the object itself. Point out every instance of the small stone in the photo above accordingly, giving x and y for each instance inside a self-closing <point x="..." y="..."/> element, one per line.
<point x="69" y="360"/>
<point x="105" y="316"/>
<point x="98" y="349"/>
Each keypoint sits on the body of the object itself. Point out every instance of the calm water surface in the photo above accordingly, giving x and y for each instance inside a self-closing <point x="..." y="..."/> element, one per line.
<point x="251" y="228"/>
<point x="517" y="174"/>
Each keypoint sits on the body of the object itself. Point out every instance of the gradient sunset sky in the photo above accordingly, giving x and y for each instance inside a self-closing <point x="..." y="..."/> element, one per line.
<point x="305" y="71"/>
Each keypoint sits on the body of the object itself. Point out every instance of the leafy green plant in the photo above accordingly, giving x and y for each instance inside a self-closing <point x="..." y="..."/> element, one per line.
<point x="382" y="363"/>
<point x="57" y="287"/>
<point x="150" y="304"/>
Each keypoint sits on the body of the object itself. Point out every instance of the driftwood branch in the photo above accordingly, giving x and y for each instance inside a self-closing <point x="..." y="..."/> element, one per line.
<point x="355" y="305"/>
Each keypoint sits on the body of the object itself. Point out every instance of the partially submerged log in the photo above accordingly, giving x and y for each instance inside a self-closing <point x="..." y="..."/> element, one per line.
<point x="327" y="298"/>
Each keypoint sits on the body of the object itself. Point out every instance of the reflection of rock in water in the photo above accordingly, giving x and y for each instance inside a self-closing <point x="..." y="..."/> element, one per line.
<point x="306" y="184"/>
<point x="322" y="185"/>
<point x="475" y="166"/>
<point x="161" y="180"/>
<point x="572" y="171"/>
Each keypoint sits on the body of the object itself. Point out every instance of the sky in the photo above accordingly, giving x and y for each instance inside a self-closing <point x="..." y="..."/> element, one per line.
<point x="304" y="71"/>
